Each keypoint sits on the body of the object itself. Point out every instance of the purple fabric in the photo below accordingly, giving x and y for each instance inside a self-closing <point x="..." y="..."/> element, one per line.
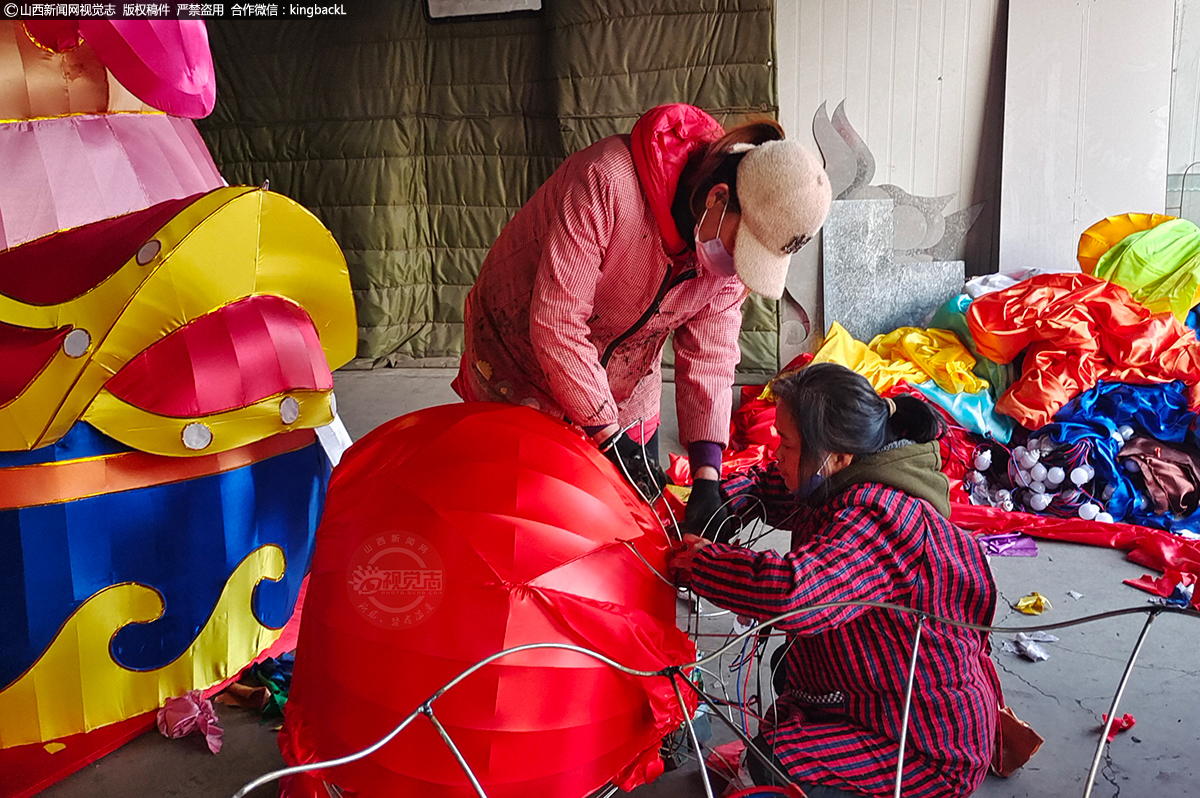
<point x="704" y="453"/>
<point x="1009" y="544"/>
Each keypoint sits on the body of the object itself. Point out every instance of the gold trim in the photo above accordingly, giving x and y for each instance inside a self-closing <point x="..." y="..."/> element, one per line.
<point x="231" y="429"/>
<point x="217" y="250"/>
<point x="34" y="40"/>
<point x="80" y="113"/>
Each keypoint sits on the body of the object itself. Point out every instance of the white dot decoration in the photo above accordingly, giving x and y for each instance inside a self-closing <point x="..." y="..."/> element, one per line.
<point x="289" y="410"/>
<point x="76" y="343"/>
<point x="148" y="251"/>
<point x="197" y="436"/>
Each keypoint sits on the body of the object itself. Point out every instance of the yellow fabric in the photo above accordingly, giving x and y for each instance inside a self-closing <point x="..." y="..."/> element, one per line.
<point x="227" y="245"/>
<point x="163" y="435"/>
<point x="75" y="686"/>
<point x="1034" y="604"/>
<point x="939" y="354"/>
<point x="1159" y="267"/>
<point x="1106" y="233"/>
<point x="840" y="347"/>
<point x="908" y="355"/>
<point x="681" y="492"/>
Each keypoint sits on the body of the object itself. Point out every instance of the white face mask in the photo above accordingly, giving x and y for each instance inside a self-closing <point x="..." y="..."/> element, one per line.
<point x="712" y="254"/>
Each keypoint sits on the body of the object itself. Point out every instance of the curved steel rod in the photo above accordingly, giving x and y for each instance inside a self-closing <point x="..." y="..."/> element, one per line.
<point x="1112" y="710"/>
<point x="767" y="624"/>
<point x="462" y="762"/>
<point x="908" y="693"/>
<point x="687" y="719"/>
<point x="767" y="761"/>
<point x="289" y="771"/>
<point x="267" y="778"/>
<point x="724" y="690"/>
<point x="629" y="545"/>
<point x="387" y="738"/>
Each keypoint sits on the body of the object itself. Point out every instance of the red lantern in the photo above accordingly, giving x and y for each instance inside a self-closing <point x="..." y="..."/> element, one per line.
<point x="454" y="533"/>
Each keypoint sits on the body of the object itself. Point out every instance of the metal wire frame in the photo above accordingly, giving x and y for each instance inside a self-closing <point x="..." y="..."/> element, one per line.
<point x="677" y="674"/>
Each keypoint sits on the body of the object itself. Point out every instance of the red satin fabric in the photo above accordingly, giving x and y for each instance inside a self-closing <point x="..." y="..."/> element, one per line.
<point x="753" y="422"/>
<point x="248" y="350"/>
<point x="64" y="265"/>
<point x="1077" y="329"/>
<point x="24" y="352"/>
<point x="1153" y="548"/>
<point x="1164" y="585"/>
<point x="528" y="520"/>
<point x="30" y="769"/>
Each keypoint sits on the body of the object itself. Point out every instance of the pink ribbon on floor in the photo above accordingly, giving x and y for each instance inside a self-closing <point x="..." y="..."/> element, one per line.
<point x="189" y="713"/>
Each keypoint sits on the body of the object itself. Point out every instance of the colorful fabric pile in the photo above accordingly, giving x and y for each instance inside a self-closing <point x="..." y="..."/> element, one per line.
<point x="1070" y="398"/>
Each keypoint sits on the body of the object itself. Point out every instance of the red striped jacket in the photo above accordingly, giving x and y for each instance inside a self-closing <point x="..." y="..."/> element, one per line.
<point x="577" y="297"/>
<point x="846" y="670"/>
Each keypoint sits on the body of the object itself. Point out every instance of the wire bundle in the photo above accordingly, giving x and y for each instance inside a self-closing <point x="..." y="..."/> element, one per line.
<point x="1042" y="476"/>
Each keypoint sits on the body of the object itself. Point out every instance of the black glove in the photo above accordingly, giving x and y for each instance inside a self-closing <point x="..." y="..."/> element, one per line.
<point x="629" y="457"/>
<point x="706" y="514"/>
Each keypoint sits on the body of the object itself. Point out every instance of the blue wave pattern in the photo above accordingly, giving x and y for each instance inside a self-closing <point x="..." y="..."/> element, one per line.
<point x="183" y="539"/>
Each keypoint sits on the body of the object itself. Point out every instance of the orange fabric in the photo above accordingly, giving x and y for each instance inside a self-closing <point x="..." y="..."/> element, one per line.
<point x="1078" y="329"/>
<point x="1106" y="233"/>
<point x="50" y="483"/>
<point x="1016" y="743"/>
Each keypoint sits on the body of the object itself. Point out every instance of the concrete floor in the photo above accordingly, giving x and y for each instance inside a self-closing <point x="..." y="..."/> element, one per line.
<point x="1062" y="698"/>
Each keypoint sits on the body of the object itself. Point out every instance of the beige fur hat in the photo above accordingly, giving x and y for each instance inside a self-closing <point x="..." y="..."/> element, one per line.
<point x="784" y="194"/>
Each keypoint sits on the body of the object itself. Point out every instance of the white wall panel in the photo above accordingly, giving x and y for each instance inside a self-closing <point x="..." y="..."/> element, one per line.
<point x="1183" y="145"/>
<point x="1085" y="126"/>
<point x="919" y="78"/>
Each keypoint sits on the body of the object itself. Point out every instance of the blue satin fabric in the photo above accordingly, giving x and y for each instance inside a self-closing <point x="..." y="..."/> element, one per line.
<point x="183" y="539"/>
<point x="1155" y="411"/>
<point x="82" y="440"/>
<point x="976" y="412"/>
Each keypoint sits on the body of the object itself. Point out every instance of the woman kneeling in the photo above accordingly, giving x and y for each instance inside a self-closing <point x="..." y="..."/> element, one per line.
<point x="857" y="483"/>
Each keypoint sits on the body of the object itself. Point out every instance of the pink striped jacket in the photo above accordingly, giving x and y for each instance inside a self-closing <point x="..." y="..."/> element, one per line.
<point x="577" y="297"/>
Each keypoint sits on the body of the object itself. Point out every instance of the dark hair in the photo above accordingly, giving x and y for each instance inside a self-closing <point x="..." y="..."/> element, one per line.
<point x="712" y="164"/>
<point x="837" y="411"/>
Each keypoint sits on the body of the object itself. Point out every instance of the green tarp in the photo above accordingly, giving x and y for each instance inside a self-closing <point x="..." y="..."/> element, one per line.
<point x="415" y="141"/>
